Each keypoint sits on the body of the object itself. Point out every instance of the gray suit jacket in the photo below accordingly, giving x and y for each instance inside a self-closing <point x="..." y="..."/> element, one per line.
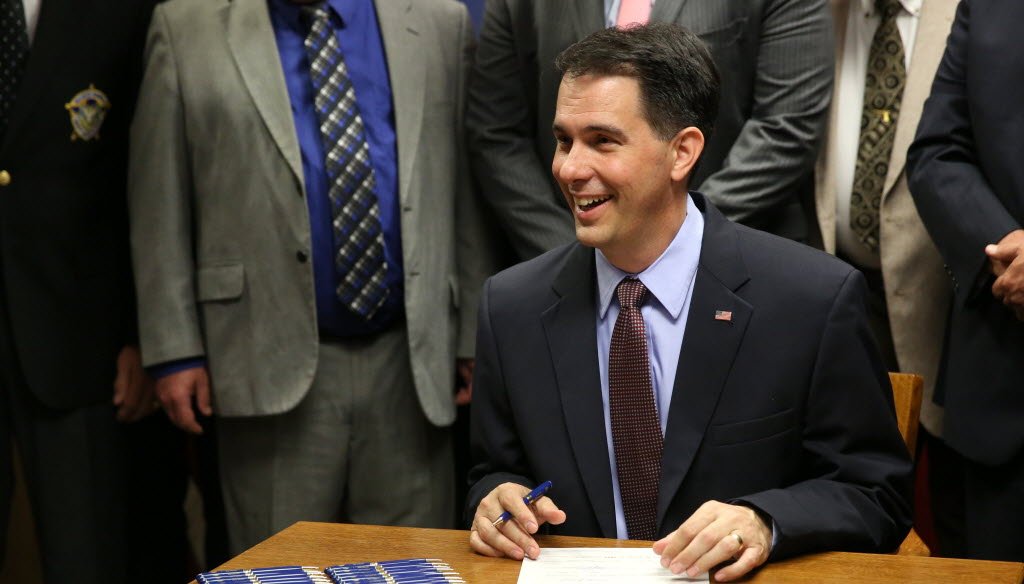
<point x="775" y="60"/>
<point x="917" y="289"/>
<point x="220" y="228"/>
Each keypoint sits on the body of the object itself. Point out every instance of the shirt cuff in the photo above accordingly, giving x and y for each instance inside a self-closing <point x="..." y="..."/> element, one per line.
<point x="170" y="367"/>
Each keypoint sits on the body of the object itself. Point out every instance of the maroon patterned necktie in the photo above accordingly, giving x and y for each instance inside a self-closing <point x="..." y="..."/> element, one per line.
<point x="636" y="432"/>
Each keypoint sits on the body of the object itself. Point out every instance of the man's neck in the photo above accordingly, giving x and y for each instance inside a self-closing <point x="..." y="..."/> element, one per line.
<point x="634" y="261"/>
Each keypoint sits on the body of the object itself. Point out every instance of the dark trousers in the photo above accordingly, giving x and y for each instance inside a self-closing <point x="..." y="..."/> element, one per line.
<point x="878" y="315"/>
<point x="945" y="485"/>
<point x="994" y="510"/>
<point x="105" y="496"/>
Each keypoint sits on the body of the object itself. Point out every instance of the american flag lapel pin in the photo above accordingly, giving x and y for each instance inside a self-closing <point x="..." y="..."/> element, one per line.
<point x="725" y="315"/>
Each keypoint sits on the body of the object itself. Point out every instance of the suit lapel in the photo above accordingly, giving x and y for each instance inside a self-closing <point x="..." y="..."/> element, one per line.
<point x="709" y="347"/>
<point x="587" y="16"/>
<point x="571" y="330"/>
<point x="54" y="33"/>
<point x="248" y="33"/>
<point x="667" y="11"/>
<point x="932" y="30"/>
<point x="400" y="30"/>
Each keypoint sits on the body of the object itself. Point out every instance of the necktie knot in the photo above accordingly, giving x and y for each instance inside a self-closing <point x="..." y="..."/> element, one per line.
<point x="631" y="293"/>
<point x="313" y="13"/>
<point x="888" y="9"/>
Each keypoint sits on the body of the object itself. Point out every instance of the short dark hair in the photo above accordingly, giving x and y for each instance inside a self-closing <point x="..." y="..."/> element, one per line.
<point x="679" y="83"/>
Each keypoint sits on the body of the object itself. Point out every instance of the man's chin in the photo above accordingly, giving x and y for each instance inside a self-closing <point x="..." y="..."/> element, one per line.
<point x="587" y="236"/>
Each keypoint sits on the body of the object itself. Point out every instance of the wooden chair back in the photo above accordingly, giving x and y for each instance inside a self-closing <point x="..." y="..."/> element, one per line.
<point x="907" y="390"/>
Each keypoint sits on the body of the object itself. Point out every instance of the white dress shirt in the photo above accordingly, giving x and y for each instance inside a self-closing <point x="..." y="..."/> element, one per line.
<point x="31" y="17"/>
<point x="860" y="29"/>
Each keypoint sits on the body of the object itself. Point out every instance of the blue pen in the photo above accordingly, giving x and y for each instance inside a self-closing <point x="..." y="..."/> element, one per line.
<point x="530" y="497"/>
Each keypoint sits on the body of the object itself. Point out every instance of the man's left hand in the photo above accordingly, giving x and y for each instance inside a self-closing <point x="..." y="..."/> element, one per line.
<point x="464" y="394"/>
<point x="716" y="533"/>
<point x="133" y="388"/>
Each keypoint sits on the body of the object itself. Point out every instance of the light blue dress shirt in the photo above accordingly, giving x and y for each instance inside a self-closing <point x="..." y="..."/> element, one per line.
<point x="669" y="281"/>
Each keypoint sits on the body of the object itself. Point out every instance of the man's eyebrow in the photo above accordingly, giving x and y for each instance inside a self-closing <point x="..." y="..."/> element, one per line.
<point x="598" y="128"/>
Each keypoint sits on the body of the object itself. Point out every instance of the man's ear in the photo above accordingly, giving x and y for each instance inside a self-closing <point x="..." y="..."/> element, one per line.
<point x="687" y="146"/>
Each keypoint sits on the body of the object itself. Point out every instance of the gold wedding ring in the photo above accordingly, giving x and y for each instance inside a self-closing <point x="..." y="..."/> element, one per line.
<point x="739" y="538"/>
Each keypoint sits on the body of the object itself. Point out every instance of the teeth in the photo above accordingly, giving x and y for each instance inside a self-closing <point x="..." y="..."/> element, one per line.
<point x="590" y="202"/>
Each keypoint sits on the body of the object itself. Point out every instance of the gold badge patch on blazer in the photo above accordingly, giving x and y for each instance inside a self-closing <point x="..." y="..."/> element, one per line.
<point x="87" y="110"/>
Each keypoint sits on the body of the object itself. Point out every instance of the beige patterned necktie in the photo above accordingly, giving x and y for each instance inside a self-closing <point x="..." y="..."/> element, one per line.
<point x="883" y="91"/>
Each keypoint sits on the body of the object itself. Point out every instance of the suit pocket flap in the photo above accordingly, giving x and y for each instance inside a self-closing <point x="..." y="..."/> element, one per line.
<point x="220" y="282"/>
<point x="756" y="429"/>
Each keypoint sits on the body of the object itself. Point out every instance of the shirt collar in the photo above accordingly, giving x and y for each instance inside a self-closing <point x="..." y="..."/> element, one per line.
<point x="912" y="7"/>
<point x="669" y="278"/>
<point x="292" y="12"/>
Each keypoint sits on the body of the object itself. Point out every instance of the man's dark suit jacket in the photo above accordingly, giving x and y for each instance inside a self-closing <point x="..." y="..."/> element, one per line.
<point x="63" y="217"/>
<point x="785" y="408"/>
<point x="966" y="172"/>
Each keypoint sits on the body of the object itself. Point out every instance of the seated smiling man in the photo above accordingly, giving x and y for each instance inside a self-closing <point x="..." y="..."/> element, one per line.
<point x="678" y="377"/>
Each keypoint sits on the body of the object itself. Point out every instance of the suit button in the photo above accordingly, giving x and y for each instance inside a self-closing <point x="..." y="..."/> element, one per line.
<point x="5" y="178"/>
<point x="301" y="256"/>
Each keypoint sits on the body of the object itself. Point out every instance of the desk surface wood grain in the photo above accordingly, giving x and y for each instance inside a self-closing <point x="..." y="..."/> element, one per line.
<point x="328" y="544"/>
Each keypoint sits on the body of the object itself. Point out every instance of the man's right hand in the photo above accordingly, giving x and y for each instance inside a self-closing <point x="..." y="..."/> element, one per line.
<point x="514" y="537"/>
<point x="176" y="391"/>
<point x="1001" y="254"/>
<point x="1006" y="261"/>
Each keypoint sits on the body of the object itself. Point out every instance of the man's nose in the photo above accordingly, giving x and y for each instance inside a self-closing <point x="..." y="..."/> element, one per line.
<point x="574" y="166"/>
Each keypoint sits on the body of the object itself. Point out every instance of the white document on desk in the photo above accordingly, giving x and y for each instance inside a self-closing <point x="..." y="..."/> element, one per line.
<point x="590" y="565"/>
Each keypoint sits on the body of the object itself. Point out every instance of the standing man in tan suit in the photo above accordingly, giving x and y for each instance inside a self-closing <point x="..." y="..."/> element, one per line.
<point x="865" y="211"/>
<point x="306" y="250"/>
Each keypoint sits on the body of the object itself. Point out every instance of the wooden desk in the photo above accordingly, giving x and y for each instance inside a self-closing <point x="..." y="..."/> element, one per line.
<point x="328" y="544"/>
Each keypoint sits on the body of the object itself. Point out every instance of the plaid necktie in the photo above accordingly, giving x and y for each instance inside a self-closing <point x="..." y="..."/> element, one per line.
<point x="358" y="237"/>
<point x="636" y="432"/>
<point x="883" y="92"/>
<point x="13" y="55"/>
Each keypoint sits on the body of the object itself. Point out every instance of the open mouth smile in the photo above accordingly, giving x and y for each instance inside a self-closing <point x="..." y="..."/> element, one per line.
<point x="585" y="204"/>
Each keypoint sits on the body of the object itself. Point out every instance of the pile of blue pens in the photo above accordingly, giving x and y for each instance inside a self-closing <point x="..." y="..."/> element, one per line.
<point x="418" y="571"/>
<point x="280" y="575"/>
